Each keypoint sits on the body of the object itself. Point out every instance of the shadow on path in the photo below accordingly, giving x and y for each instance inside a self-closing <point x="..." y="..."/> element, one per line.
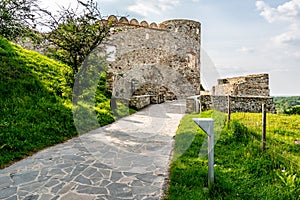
<point x="128" y="159"/>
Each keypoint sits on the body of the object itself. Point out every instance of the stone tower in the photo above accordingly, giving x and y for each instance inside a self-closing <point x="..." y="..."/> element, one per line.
<point x="156" y="60"/>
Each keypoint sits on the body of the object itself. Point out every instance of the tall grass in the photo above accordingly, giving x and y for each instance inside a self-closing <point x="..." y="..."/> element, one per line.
<point x="282" y="131"/>
<point x="242" y="170"/>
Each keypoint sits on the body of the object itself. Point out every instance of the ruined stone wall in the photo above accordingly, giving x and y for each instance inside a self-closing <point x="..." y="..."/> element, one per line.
<point x="244" y="94"/>
<point x="237" y="103"/>
<point x="192" y="104"/>
<point x="251" y="85"/>
<point x="151" y="59"/>
<point x="161" y="60"/>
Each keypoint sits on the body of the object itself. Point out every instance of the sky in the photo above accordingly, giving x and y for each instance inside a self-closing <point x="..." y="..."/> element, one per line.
<point x="240" y="37"/>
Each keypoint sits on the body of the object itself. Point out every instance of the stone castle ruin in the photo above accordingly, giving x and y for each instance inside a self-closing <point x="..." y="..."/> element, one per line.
<point x="251" y="85"/>
<point x="152" y="63"/>
<point x="244" y="94"/>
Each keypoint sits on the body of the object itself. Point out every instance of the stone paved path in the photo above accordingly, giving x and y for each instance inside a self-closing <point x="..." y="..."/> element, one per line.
<point x="125" y="160"/>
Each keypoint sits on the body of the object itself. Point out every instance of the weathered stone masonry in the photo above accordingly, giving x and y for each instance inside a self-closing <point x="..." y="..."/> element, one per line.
<point x="160" y="60"/>
<point x="157" y="60"/>
<point x="244" y="94"/>
<point x="251" y="85"/>
<point x="237" y="103"/>
<point x="152" y="63"/>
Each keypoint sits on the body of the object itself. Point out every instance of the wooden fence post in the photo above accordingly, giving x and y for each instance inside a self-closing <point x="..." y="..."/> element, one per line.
<point x="228" y="111"/>
<point x="264" y="120"/>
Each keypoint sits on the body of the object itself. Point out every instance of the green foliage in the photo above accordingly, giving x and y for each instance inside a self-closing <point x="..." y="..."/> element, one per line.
<point x="295" y="110"/>
<point x="289" y="180"/>
<point x="75" y="33"/>
<point x="91" y="100"/>
<point x="188" y="171"/>
<point x="102" y="101"/>
<point x="92" y="108"/>
<point x="235" y="132"/>
<point x="242" y="170"/>
<point x="15" y="17"/>
<point x="102" y="104"/>
<point x="36" y="102"/>
<point x="284" y="104"/>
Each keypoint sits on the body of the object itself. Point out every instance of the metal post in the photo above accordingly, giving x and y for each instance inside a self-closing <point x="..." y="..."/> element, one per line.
<point x="211" y="155"/>
<point x="207" y="125"/>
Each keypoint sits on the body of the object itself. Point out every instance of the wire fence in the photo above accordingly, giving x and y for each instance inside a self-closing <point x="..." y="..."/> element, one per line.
<point x="282" y="134"/>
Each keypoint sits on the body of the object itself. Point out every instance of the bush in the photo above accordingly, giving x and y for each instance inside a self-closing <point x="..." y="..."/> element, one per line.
<point x="295" y="110"/>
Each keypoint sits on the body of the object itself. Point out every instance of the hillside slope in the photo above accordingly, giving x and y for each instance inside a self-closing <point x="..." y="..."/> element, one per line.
<point x="35" y="102"/>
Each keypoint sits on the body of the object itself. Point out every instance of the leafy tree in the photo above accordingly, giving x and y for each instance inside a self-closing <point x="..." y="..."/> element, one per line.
<point x="74" y="33"/>
<point x="295" y="110"/>
<point x="16" y="16"/>
<point x="284" y="104"/>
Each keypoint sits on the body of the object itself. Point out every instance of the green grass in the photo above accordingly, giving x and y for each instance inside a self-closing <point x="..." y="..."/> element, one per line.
<point x="242" y="170"/>
<point x="36" y="102"/>
<point x="282" y="130"/>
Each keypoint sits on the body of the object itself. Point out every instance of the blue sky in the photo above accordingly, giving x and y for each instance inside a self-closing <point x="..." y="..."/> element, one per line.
<point x="240" y="36"/>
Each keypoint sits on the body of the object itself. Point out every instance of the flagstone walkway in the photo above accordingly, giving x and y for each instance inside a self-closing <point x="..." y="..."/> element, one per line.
<point x="128" y="159"/>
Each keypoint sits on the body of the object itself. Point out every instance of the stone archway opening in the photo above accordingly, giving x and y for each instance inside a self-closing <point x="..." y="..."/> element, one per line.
<point x="146" y="84"/>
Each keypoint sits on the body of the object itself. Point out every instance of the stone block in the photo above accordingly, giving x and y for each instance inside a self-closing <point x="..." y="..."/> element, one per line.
<point x="139" y="102"/>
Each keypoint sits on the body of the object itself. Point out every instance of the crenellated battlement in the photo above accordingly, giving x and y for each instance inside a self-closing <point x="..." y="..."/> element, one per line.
<point x="177" y="25"/>
<point x="134" y="23"/>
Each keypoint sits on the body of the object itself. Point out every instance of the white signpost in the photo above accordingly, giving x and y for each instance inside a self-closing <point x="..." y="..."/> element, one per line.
<point x="207" y="125"/>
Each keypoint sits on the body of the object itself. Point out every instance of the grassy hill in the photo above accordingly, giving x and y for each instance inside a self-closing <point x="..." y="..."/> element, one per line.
<point x="242" y="170"/>
<point x="35" y="102"/>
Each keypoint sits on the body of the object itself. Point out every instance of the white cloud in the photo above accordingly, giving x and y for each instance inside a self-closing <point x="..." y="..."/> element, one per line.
<point x="290" y="37"/>
<point x="145" y="8"/>
<point x="296" y="54"/>
<point x="284" y="38"/>
<point x="266" y="11"/>
<point x="107" y="1"/>
<point x="246" y="50"/>
<point x="289" y="11"/>
<point x="289" y="14"/>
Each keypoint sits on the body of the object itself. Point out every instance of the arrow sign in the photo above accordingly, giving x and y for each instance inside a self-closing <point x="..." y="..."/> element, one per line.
<point x="207" y="125"/>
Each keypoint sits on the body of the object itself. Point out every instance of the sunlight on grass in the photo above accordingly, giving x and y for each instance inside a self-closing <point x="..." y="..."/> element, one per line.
<point x="36" y="102"/>
<point x="242" y="170"/>
<point x="282" y="131"/>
